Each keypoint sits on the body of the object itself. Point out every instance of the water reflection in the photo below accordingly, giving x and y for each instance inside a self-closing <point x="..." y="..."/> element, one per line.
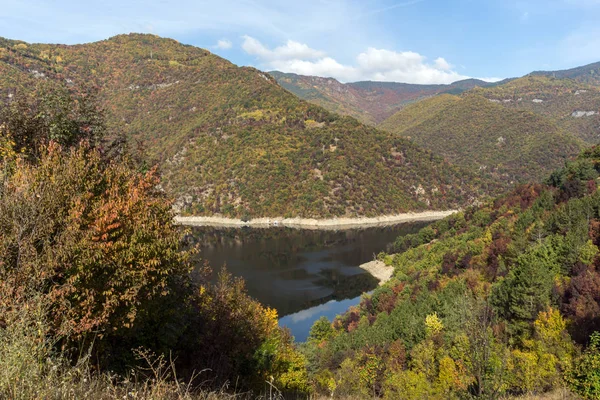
<point x="300" y="323"/>
<point x="296" y="270"/>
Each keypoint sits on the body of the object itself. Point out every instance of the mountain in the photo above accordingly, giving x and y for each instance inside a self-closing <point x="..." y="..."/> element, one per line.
<point x="415" y="113"/>
<point x="589" y="74"/>
<point x="493" y="302"/>
<point x="369" y="102"/>
<point x="231" y="140"/>
<point x="479" y="134"/>
<point x="573" y="105"/>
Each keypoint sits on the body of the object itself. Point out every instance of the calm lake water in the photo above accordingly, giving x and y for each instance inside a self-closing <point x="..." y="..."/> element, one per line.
<point x="303" y="274"/>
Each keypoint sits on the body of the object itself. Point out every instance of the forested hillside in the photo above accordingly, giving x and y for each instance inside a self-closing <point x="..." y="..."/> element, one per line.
<point x="501" y="299"/>
<point x="504" y="143"/>
<point x="586" y="74"/>
<point x="369" y="102"/>
<point x="230" y="140"/>
<point x="97" y="295"/>
<point x="572" y="105"/>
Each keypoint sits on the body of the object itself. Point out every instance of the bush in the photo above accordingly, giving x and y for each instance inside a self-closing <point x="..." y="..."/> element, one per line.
<point x="584" y="378"/>
<point x="97" y="244"/>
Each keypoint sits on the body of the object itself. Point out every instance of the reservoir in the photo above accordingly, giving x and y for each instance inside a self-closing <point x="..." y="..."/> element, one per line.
<point x="303" y="274"/>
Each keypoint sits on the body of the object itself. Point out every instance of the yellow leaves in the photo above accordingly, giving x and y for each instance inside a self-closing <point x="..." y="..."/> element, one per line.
<point x="312" y="124"/>
<point x="7" y="145"/>
<point x="550" y="325"/>
<point x="295" y="376"/>
<point x="21" y="46"/>
<point x="326" y="381"/>
<point x="487" y="237"/>
<point x="433" y="325"/>
<point x="270" y="315"/>
<point x="588" y="252"/>
<point x="524" y="370"/>
<point x="451" y="376"/>
<point x="257" y="115"/>
<point x="408" y="385"/>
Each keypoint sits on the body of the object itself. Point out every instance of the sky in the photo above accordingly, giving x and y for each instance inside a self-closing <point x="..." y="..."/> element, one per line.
<point x="413" y="41"/>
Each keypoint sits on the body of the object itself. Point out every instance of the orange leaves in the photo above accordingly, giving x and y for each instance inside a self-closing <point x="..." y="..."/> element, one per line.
<point x="100" y="236"/>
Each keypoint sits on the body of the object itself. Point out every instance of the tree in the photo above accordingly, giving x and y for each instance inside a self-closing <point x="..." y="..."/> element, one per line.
<point x="321" y="330"/>
<point x="485" y="355"/>
<point x="584" y="378"/>
<point x="526" y="290"/>
<point x="52" y="113"/>
<point x="97" y="239"/>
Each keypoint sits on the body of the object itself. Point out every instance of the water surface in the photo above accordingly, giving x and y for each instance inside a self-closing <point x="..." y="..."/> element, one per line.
<point x="303" y="274"/>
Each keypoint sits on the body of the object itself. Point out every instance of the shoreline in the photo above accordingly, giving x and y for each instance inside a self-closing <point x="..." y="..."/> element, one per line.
<point x="379" y="270"/>
<point x="311" y="223"/>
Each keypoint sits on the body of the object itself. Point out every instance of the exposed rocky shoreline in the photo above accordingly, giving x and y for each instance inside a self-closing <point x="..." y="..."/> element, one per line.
<point x="308" y="223"/>
<point x="379" y="270"/>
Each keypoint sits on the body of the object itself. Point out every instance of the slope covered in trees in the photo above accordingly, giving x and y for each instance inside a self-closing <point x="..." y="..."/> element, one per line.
<point x="230" y="140"/>
<point x="501" y="299"/>
<point x="586" y="74"/>
<point x="501" y="142"/>
<point x="97" y="297"/>
<point x="369" y="102"/>
<point x="572" y="105"/>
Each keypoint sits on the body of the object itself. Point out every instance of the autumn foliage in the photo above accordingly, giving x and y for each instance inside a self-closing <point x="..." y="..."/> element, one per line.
<point x="93" y="240"/>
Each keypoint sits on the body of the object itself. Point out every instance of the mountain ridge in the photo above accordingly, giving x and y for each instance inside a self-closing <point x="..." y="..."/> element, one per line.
<point x="370" y="102"/>
<point x="589" y="73"/>
<point x="231" y="141"/>
<point x="481" y="135"/>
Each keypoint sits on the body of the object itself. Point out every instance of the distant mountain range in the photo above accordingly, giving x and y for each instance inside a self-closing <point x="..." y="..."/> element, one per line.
<point x="369" y="102"/>
<point x="516" y="129"/>
<point x="231" y="141"/>
<point x="587" y="74"/>
<point x="373" y="102"/>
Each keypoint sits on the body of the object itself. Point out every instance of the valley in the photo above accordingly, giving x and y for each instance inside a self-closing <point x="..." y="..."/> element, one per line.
<point x="230" y="141"/>
<point x="164" y="211"/>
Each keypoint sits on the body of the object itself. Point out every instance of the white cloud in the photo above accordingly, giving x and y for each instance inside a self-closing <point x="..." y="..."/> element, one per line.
<point x="442" y="64"/>
<point x="372" y="64"/>
<point x="291" y="51"/>
<point x="224" y="44"/>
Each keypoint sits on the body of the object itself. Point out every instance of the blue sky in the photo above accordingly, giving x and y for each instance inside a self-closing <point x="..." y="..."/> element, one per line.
<point x="419" y="41"/>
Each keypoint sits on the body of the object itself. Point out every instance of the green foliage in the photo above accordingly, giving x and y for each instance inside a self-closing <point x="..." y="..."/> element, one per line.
<point x="584" y="378"/>
<point x="321" y="330"/>
<point x="52" y="113"/>
<point x="231" y="141"/>
<point x="527" y="288"/>
<point x="494" y="301"/>
<point x="500" y="143"/>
